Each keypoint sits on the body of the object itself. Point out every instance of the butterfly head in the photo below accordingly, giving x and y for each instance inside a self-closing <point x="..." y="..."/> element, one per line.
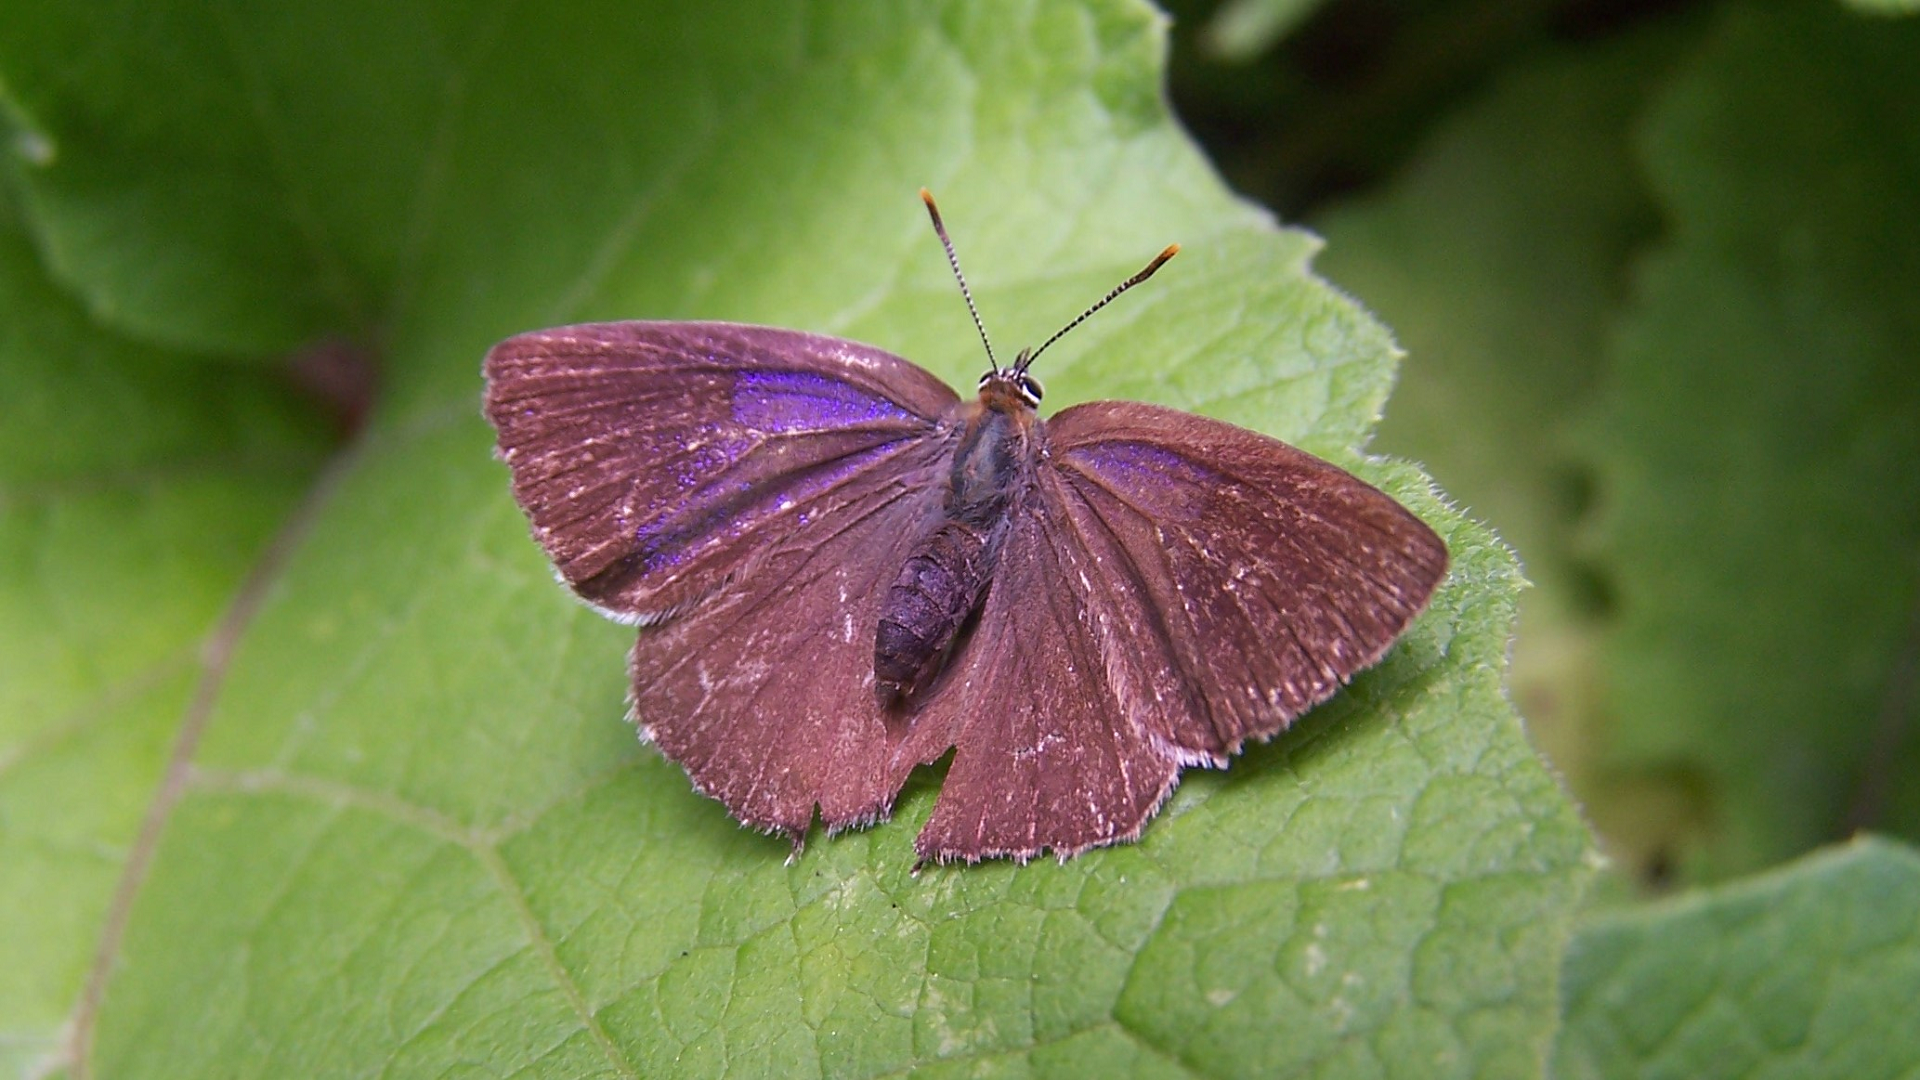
<point x="1004" y="387"/>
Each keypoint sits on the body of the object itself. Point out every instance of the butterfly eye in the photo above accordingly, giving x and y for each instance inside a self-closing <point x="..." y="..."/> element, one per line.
<point x="1031" y="389"/>
<point x="1015" y="381"/>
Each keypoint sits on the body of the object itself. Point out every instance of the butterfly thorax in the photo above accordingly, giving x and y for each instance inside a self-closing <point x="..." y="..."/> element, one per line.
<point x="945" y="577"/>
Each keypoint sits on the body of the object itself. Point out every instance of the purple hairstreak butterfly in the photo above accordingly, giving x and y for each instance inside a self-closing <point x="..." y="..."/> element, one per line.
<point x="842" y="571"/>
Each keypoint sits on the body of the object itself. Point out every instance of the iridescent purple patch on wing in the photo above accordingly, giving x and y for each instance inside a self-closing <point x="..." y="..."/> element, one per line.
<point x="1156" y="479"/>
<point x="785" y="401"/>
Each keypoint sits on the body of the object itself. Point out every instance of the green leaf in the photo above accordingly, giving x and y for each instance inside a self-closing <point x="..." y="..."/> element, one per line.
<point x="1500" y="258"/>
<point x="417" y="833"/>
<point x="1806" y="971"/>
<point x="1759" y="442"/>
<point x="136" y="488"/>
<point x="1243" y="29"/>
<point x="1884" y="7"/>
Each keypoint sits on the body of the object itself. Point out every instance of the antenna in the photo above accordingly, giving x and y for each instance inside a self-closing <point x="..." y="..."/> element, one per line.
<point x="954" y="261"/>
<point x="1027" y="359"/>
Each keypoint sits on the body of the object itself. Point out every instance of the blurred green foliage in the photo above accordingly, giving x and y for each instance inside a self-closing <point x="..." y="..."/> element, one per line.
<point x="1653" y="270"/>
<point x="1654" y="267"/>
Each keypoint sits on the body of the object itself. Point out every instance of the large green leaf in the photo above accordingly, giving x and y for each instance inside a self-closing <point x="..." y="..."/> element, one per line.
<point x="1807" y="971"/>
<point x="1500" y="258"/>
<point x="417" y="835"/>
<point x="137" y="487"/>
<point x="1759" y="441"/>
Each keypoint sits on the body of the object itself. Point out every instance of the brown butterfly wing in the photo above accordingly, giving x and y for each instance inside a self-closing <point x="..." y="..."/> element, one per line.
<point x="1173" y="587"/>
<point x="654" y="459"/>
<point x="764" y="691"/>
<point x="751" y="491"/>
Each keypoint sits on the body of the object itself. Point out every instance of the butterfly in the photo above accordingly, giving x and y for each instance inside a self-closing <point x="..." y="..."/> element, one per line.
<point x="843" y="571"/>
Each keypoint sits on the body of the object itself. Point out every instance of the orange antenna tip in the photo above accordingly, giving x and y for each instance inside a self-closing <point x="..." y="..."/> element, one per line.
<point x="1146" y="272"/>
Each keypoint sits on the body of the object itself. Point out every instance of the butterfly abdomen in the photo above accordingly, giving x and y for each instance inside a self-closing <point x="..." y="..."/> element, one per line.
<point x="940" y="584"/>
<point x="945" y="577"/>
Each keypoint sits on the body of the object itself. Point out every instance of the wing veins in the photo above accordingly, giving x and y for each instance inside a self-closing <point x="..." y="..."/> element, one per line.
<point x="750" y="607"/>
<point x="1155" y="611"/>
<point x="755" y="494"/>
<point x="1301" y="544"/>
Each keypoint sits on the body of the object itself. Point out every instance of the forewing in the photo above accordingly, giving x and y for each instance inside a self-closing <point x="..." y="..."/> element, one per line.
<point x="764" y="691"/>
<point x="1255" y="577"/>
<point x="655" y="459"/>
